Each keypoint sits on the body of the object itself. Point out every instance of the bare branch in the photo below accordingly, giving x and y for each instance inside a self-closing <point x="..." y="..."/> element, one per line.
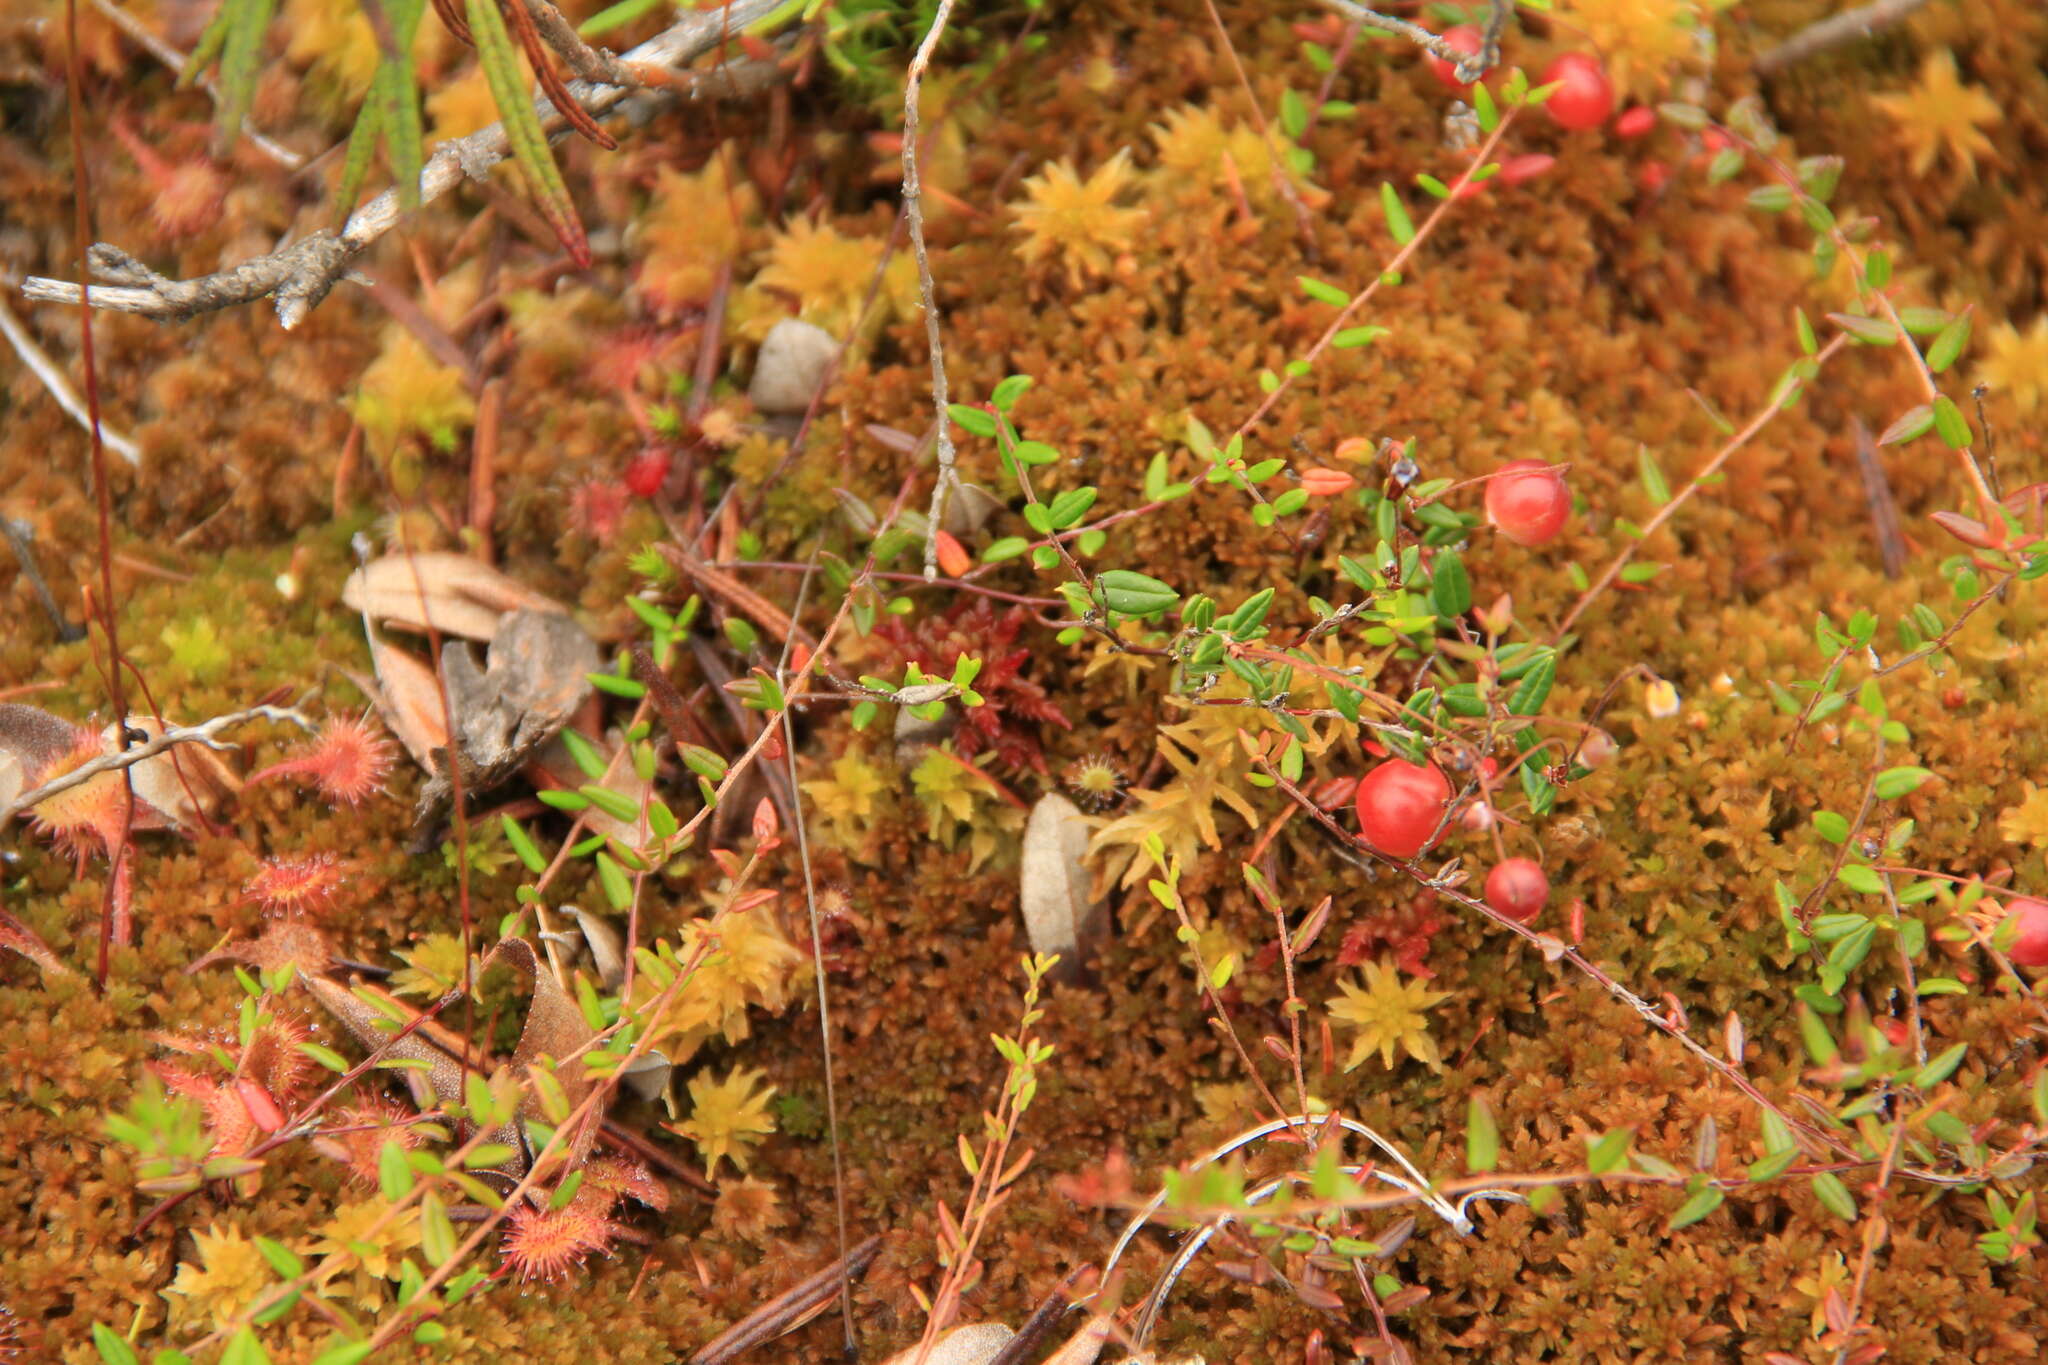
<point x="207" y="733"/>
<point x="913" y="211"/>
<point x="301" y="274"/>
<point x="1845" y="27"/>
<point x="42" y="367"/>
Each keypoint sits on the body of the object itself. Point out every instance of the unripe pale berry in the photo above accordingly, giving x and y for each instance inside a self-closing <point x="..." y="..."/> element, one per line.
<point x="1400" y="805"/>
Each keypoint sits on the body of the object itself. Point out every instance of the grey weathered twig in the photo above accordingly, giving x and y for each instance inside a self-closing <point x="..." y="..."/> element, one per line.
<point x="1845" y="27"/>
<point x="913" y="212"/>
<point x="42" y="367"/>
<point x="301" y="274"/>
<point x="1470" y="65"/>
<point x="206" y="733"/>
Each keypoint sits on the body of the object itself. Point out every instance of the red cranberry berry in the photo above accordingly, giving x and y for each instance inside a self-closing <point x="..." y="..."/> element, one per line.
<point x="647" y="472"/>
<point x="1465" y="38"/>
<point x="1528" y="502"/>
<point x="1518" y="889"/>
<point x="2030" y="944"/>
<point x="1400" y="805"/>
<point x="1584" y="97"/>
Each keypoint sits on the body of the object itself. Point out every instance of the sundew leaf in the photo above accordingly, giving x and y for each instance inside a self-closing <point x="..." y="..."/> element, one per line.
<point x="500" y="60"/>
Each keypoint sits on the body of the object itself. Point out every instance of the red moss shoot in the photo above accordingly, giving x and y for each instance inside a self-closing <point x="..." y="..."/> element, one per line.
<point x="1584" y="98"/>
<point x="1465" y="38"/>
<point x="1518" y="889"/>
<point x="1527" y="502"/>
<point x="1400" y="805"/>
<point x="2030" y="944"/>
<point x="347" y="762"/>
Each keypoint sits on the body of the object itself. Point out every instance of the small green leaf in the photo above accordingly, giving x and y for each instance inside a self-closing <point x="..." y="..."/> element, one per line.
<point x="1323" y="293"/>
<point x="1653" y="476"/>
<point x="1893" y="783"/>
<point x="1941" y="1067"/>
<point x="1482" y="1136"/>
<point x="1007" y="392"/>
<point x="1608" y="1152"/>
<point x="345" y="1353"/>
<point x="394" y="1173"/>
<point x="1009" y="547"/>
<point x="1703" y="1202"/>
<point x="1949" y="423"/>
<point x="617" y="888"/>
<point x="975" y="421"/>
<point x="1353" y="337"/>
<point x="437" y="1234"/>
<point x="1134" y="594"/>
<point x="113" y="1347"/>
<point x="1397" y="215"/>
<point x="281" y="1257"/>
<point x="1834" y="1196"/>
<point x="523" y="845"/>
<point x="1949" y="343"/>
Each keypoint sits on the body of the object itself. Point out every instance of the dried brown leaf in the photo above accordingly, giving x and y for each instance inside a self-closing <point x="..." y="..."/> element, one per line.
<point x="457" y="594"/>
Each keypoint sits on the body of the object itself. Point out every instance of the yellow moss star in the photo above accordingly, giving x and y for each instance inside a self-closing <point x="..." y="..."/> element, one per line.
<point x="225" y="1279"/>
<point x="828" y="275"/>
<point x="748" y="962"/>
<point x="727" y="1117"/>
<point x="1077" y="219"/>
<point x="2016" y="364"/>
<point x="1388" y="1013"/>
<point x="2026" y="823"/>
<point x="374" y="1257"/>
<point x="1940" y="112"/>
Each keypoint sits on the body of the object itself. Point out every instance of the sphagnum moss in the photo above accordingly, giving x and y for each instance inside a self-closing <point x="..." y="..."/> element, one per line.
<point x="1569" y="317"/>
